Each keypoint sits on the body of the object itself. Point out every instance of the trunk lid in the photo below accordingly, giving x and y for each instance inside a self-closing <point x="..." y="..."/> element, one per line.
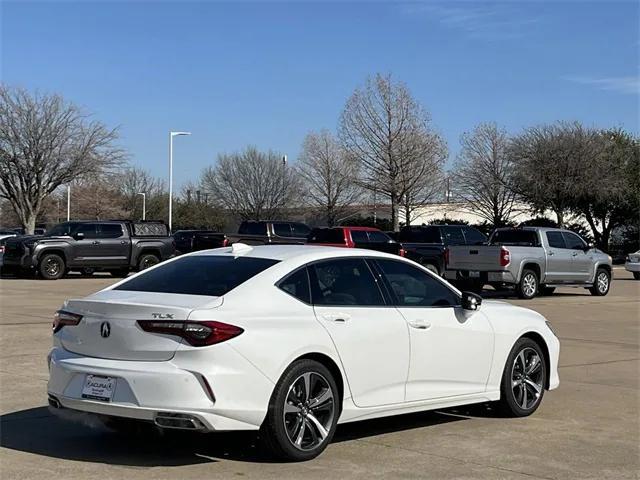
<point x="118" y="311"/>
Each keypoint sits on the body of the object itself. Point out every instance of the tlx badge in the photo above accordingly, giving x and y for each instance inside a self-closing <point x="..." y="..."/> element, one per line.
<point x="162" y="316"/>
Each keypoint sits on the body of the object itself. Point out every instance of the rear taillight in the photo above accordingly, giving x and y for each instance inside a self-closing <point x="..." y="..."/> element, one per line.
<point x="1" y="248"/>
<point x="225" y="242"/>
<point x="198" y="334"/>
<point x="446" y="256"/>
<point x="505" y="257"/>
<point x="402" y="252"/>
<point x="62" y="318"/>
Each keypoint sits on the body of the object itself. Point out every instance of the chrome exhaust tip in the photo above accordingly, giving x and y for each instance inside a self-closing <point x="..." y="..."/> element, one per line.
<point x="181" y="421"/>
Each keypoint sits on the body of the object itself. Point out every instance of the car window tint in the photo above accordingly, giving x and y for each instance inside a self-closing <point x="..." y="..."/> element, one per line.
<point x="453" y="236"/>
<point x="253" y="228"/>
<point x="297" y="285"/>
<point x="473" y="236"/>
<point x="282" y="229"/>
<point x="211" y="275"/>
<point x="344" y="282"/>
<point x="89" y="230"/>
<point x="300" y="229"/>
<point x="110" y="230"/>
<point x="420" y="235"/>
<point x="359" y="236"/>
<point x="414" y="287"/>
<point x="555" y="240"/>
<point x="378" y="237"/>
<point x="326" y="235"/>
<point x="515" y="237"/>
<point x="573" y="241"/>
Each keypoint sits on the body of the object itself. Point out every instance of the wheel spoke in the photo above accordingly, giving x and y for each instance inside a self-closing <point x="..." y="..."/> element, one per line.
<point x="325" y="396"/>
<point x="291" y="408"/>
<point x="321" y="430"/>
<point x="300" y="435"/>
<point x="534" y="365"/>
<point x="307" y="386"/>
<point x="522" y="361"/>
<point x="524" y="397"/>
<point x="537" y="388"/>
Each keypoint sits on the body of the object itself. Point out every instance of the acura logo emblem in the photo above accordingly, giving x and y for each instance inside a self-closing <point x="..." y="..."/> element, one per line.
<point x="105" y="329"/>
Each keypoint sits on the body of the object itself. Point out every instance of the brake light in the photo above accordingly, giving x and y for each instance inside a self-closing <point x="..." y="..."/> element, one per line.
<point x="225" y="242"/>
<point x="505" y="257"/>
<point x="1" y="248"/>
<point x="197" y="334"/>
<point x="402" y="252"/>
<point x="62" y="318"/>
<point x="446" y="256"/>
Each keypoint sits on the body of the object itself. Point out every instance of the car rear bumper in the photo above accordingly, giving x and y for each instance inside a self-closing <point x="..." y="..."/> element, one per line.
<point x="144" y="390"/>
<point x="501" y="276"/>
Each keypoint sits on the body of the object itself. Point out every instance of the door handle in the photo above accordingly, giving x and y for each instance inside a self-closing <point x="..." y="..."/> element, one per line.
<point x="336" y="317"/>
<point x="550" y="253"/>
<point x="95" y="242"/>
<point x="419" y="324"/>
<point x="123" y="242"/>
<point x="574" y="254"/>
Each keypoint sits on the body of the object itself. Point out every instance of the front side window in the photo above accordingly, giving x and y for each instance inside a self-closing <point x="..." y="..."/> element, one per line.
<point x="347" y="281"/>
<point x="454" y="236"/>
<point x="211" y="275"/>
<point x="297" y="285"/>
<point x="556" y="240"/>
<point x="300" y="229"/>
<point x="378" y="237"/>
<point x="473" y="236"/>
<point x="573" y="241"/>
<point x="413" y="287"/>
<point x="359" y="236"/>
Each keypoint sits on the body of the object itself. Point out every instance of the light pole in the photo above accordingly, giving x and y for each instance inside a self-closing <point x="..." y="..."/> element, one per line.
<point x="171" y="135"/>
<point x="144" y="205"/>
<point x="284" y="179"/>
<point x="68" y="202"/>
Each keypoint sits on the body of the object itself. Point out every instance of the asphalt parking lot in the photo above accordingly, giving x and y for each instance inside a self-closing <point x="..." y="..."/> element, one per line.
<point x="588" y="428"/>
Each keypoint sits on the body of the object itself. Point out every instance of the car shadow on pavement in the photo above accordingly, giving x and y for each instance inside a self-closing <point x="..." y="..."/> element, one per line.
<point x="41" y="432"/>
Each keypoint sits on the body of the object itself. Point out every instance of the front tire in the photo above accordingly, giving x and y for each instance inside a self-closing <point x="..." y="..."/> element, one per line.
<point x="51" y="266"/>
<point x="523" y="380"/>
<point x="303" y="412"/>
<point x="602" y="283"/>
<point x="528" y="285"/>
<point x="636" y="275"/>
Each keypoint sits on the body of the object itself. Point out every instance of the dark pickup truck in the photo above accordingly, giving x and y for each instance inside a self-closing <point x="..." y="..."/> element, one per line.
<point x="269" y="232"/>
<point x="428" y="244"/>
<point x="355" y="237"/>
<point x="114" y="246"/>
<point x="195" y="240"/>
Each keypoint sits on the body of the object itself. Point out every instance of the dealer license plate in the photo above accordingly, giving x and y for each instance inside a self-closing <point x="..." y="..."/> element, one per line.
<point x="97" y="387"/>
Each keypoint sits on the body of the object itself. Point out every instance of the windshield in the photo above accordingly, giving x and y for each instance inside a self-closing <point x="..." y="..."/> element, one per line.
<point x="524" y="238"/>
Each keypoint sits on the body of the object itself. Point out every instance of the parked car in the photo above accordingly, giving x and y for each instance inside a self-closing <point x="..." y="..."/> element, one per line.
<point x="632" y="264"/>
<point x="114" y="246"/>
<point x="368" y="238"/>
<point x="194" y="240"/>
<point x="428" y="244"/>
<point x="303" y="339"/>
<point x="533" y="260"/>
<point x="39" y="231"/>
<point x="269" y="232"/>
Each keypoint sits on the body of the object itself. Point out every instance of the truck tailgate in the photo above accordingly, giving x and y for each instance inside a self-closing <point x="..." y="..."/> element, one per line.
<point x="480" y="258"/>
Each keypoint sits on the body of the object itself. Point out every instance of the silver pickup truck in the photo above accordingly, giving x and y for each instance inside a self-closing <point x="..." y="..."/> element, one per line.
<point x="531" y="259"/>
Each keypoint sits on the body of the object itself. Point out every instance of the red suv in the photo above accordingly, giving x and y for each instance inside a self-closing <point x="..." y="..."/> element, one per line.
<point x="355" y="237"/>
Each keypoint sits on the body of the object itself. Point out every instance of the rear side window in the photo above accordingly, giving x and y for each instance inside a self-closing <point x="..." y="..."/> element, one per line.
<point x="300" y="229"/>
<point x="378" y="237"/>
<point x="556" y="240"/>
<point x="453" y="236"/>
<point x="89" y="230"/>
<point x="211" y="275"/>
<point x="253" y="228"/>
<point x="297" y="285"/>
<point x="473" y="236"/>
<point x="420" y="235"/>
<point x="524" y="238"/>
<point x="359" y="236"/>
<point x="344" y="282"/>
<point x="282" y="229"/>
<point x="109" y="230"/>
<point x="326" y="235"/>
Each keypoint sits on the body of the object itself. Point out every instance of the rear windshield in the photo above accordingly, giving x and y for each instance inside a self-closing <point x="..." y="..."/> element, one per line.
<point x="326" y="235"/>
<point x="524" y="238"/>
<point x="210" y="275"/>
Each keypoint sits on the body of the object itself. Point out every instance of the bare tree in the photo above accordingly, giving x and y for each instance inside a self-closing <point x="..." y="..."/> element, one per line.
<point x="329" y="175"/>
<point x="548" y="164"/>
<point x="252" y="184"/>
<point x="97" y="198"/>
<point x="388" y="131"/>
<point x="481" y="174"/>
<point x="134" y="181"/>
<point x="46" y="142"/>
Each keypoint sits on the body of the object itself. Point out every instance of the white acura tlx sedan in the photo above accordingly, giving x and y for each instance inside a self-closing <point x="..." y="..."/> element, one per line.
<point x="292" y="340"/>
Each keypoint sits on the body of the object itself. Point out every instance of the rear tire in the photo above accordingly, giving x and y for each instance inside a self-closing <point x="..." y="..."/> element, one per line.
<point x="602" y="283"/>
<point x="303" y="429"/>
<point x="636" y="275"/>
<point x="547" y="291"/>
<point x="523" y="380"/>
<point x="528" y="285"/>
<point x="147" y="260"/>
<point x="431" y="267"/>
<point x="51" y="266"/>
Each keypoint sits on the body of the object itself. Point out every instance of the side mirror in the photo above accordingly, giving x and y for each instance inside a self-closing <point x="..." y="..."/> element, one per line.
<point x="588" y="247"/>
<point x="471" y="301"/>
<point x="78" y="235"/>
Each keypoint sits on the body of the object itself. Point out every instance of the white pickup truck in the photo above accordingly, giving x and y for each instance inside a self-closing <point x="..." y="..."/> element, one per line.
<point x="532" y="260"/>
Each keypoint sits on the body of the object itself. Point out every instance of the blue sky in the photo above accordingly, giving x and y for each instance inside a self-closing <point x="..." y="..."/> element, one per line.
<point x="266" y="73"/>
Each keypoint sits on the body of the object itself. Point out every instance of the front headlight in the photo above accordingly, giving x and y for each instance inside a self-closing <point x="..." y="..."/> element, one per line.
<point x="550" y="327"/>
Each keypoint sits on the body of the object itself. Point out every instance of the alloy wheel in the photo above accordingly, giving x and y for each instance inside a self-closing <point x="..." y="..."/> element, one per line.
<point x="529" y="285"/>
<point x="309" y="409"/>
<point x="527" y="378"/>
<point x="52" y="267"/>
<point x="603" y="282"/>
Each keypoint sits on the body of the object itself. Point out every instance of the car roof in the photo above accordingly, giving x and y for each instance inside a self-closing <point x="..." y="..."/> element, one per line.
<point x="291" y="252"/>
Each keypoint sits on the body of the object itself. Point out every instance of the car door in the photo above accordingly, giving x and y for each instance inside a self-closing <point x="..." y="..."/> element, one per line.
<point x="558" y="259"/>
<point x="451" y="351"/>
<point x="370" y="336"/>
<point x="84" y="246"/>
<point x="581" y="257"/>
<point x="113" y="245"/>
